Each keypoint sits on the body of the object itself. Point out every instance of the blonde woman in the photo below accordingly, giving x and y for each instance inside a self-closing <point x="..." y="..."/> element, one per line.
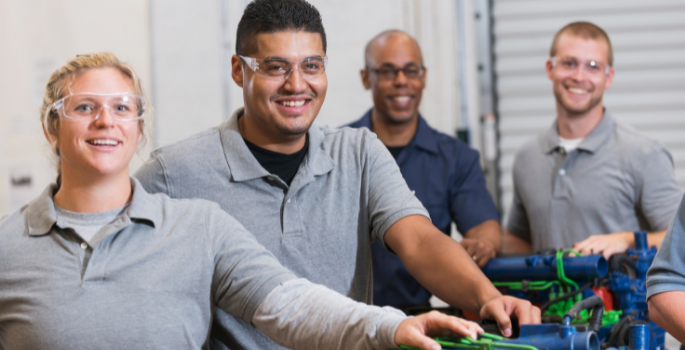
<point x="96" y="262"/>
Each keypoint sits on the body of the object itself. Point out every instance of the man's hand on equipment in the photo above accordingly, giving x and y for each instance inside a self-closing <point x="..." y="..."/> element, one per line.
<point x="607" y="244"/>
<point x="418" y="331"/>
<point x="480" y="251"/>
<point x="501" y="310"/>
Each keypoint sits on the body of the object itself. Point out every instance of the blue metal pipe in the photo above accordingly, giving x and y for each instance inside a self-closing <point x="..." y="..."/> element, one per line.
<point x="544" y="267"/>
<point x="555" y="337"/>
<point x="638" y="338"/>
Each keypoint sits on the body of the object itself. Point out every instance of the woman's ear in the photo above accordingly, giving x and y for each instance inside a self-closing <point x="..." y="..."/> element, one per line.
<point x="52" y="139"/>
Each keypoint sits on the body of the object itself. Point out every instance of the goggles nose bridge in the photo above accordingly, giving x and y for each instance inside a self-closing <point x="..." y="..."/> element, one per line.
<point x="102" y="108"/>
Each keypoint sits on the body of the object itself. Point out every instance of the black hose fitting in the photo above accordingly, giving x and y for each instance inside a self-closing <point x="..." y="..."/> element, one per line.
<point x="597" y="305"/>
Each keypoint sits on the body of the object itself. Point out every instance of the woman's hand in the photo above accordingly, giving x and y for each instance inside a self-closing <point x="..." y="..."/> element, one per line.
<point x="418" y="331"/>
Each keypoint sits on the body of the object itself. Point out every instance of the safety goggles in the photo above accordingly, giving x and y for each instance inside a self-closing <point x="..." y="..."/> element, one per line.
<point x="87" y="106"/>
<point x="279" y="68"/>
<point x="570" y="65"/>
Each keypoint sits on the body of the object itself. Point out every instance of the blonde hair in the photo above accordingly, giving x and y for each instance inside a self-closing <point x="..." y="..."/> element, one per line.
<point x="585" y="30"/>
<point x="58" y="87"/>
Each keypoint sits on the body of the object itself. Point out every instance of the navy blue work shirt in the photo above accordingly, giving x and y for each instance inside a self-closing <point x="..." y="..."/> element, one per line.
<point x="446" y="175"/>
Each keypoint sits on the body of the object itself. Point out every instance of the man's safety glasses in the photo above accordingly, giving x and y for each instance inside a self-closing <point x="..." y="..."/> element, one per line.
<point x="89" y="106"/>
<point x="570" y="65"/>
<point x="280" y="68"/>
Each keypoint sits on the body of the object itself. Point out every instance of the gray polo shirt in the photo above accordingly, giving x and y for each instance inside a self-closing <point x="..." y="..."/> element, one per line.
<point x="152" y="282"/>
<point x="667" y="272"/>
<point x="347" y="192"/>
<point x="616" y="180"/>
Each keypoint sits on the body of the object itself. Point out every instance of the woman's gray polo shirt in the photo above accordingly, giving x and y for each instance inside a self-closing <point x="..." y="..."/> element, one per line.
<point x="347" y="192"/>
<point x="151" y="283"/>
<point x="616" y="180"/>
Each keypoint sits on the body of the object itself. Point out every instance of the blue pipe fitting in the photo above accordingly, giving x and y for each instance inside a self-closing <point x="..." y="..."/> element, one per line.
<point x="555" y="337"/>
<point x="544" y="267"/>
<point x="638" y="337"/>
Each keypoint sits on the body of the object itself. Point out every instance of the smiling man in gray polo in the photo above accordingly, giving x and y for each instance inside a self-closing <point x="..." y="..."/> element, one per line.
<point x="588" y="182"/>
<point x="315" y="197"/>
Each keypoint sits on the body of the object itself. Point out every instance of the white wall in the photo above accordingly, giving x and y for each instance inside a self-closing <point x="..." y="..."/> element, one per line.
<point x="188" y="96"/>
<point x="36" y="37"/>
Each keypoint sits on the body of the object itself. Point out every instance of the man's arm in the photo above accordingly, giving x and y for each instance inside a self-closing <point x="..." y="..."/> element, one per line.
<point x="249" y="283"/>
<point x="514" y="244"/>
<point x="472" y="208"/>
<point x="441" y="265"/>
<point x="483" y="242"/>
<point x="614" y="243"/>
<point x="301" y="315"/>
<point x="668" y="311"/>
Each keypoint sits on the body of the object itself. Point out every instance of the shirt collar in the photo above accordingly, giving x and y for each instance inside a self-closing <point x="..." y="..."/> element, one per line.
<point x="144" y="206"/>
<point x="592" y="141"/>
<point x="42" y="214"/>
<point x="424" y="137"/>
<point x="244" y="166"/>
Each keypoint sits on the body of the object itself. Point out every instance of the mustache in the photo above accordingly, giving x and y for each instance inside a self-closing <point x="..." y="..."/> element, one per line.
<point x="305" y="94"/>
<point x="580" y="86"/>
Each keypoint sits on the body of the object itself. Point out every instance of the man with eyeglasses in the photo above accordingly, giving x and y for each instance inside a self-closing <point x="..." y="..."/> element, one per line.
<point x="315" y="197"/>
<point x="444" y="172"/>
<point x="588" y="182"/>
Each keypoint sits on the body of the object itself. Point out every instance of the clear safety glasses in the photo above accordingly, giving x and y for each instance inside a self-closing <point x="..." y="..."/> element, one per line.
<point x="89" y="106"/>
<point x="279" y="68"/>
<point x="571" y="65"/>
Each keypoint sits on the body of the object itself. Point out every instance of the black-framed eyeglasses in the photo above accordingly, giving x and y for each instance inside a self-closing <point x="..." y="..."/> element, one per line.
<point x="390" y="72"/>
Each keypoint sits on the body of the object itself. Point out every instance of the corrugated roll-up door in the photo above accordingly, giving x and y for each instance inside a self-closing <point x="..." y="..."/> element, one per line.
<point x="649" y="59"/>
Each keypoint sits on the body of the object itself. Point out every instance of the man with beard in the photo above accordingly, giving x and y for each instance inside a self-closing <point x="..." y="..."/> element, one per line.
<point x="588" y="182"/>
<point x="315" y="197"/>
<point x="444" y="172"/>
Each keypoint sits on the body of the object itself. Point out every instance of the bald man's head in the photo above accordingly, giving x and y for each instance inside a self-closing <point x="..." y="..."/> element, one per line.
<point x="381" y="40"/>
<point x="395" y="75"/>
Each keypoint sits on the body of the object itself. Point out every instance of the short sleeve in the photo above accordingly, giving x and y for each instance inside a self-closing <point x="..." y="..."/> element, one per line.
<point x="659" y="192"/>
<point x="470" y="201"/>
<point x="389" y="197"/>
<point x="245" y="272"/>
<point x="668" y="269"/>
<point x="518" y="223"/>
<point x="152" y="176"/>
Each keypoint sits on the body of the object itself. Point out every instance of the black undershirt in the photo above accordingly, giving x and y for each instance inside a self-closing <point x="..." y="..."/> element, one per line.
<point x="395" y="151"/>
<point x="282" y="165"/>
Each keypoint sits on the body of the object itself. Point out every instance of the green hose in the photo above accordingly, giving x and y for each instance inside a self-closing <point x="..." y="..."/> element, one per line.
<point x="485" y="343"/>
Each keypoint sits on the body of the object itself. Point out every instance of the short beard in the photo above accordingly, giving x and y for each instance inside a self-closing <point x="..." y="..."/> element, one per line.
<point x="294" y="131"/>
<point x="577" y="112"/>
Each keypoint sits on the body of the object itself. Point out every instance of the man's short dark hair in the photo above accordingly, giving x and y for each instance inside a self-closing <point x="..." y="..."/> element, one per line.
<point x="270" y="16"/>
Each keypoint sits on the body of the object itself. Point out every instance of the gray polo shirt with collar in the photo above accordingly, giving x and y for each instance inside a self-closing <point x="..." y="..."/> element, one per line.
<point x="152" y="282"/>
<point x="347" y="192"/>
<point x="616" y="180"/>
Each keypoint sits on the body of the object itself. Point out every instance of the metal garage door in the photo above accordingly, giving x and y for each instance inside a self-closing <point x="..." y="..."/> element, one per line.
<point x="649" y="59"/>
